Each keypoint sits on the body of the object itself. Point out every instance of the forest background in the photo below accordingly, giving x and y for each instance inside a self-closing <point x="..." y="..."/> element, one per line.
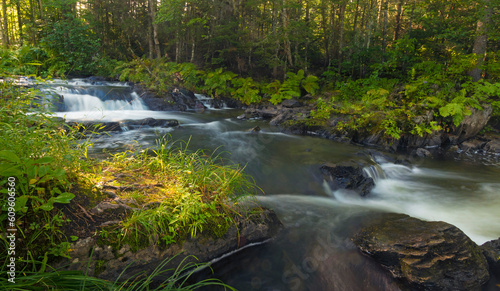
<point x="402" y="58"/>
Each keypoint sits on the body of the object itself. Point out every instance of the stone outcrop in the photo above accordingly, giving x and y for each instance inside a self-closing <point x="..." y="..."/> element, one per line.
<point x="347" y="176"/>
<point x="473" y="123"/>
<point x="491" y="251"/>
<point x="424" y="255"/>
<point x="117" y="126"/>
<point x="108" y="263"/>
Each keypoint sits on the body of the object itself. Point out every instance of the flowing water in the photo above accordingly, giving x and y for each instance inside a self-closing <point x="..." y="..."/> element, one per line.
<point x="313" y="252"/>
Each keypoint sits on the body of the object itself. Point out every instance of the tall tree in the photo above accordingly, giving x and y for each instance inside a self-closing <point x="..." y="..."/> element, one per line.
<point x="481" y="40"/>
<point x="5" y="25"/>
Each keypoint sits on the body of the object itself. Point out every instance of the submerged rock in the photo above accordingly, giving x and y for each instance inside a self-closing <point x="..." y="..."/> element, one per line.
<point x="347" y="176"/>
<point x="424" y="255"/>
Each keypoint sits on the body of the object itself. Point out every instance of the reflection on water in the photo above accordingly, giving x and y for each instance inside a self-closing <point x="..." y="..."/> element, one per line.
<point x="314" y="252"/>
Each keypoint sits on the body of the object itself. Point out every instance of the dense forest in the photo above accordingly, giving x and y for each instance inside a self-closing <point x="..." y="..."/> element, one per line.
<point x="386" y="63"/>
<point x="253" y="37"/>
<point x="400" y="71"/>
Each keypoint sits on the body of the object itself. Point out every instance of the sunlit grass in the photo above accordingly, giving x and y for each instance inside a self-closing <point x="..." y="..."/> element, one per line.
<point x="181" y="193"/>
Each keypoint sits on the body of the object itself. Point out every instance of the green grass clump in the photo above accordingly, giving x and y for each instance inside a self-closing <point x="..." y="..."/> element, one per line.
<point x="160" y="279"/>
<point x="191" y="195"/>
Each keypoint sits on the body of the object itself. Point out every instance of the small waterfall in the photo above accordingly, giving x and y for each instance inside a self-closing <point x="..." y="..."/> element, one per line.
<point x="210" y="103"/>
<point x="124" y="127"/>
<point x="78" y="102"/>
<point x="375" y="172"/>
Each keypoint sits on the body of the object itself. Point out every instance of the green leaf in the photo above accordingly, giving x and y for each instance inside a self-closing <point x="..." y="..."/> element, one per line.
<point x="21" y="203"/>
<point x="44" y="160"/>
<point x="9" y="170"/>
<point x="64" y="198"/>
<point x="10" y="156"/>
<point x="47" y="206"/>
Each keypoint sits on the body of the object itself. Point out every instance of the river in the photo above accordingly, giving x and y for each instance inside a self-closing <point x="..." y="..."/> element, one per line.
<point x="314" y="251"/>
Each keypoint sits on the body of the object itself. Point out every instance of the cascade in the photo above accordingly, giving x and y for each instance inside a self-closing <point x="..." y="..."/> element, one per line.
<point x="375" y="172"/>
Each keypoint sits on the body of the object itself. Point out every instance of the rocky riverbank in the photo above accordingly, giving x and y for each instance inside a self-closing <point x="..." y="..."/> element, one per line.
<point x="294" y="117"/>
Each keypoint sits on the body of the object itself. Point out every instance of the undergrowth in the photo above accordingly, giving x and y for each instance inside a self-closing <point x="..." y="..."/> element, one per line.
<point x="432" y="97"/>
<point x="161" y="76"/>
<point x="191" y="195"/>
<point x="42" y="160"/>
<point x="161" y="278"/>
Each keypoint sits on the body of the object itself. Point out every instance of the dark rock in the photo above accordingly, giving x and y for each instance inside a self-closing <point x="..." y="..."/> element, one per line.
<point x="96" y="80"/>
<point x="158" y="103"/>
<point x="347" y="176"/>
<point x="151" y="122"/>
<point x="493" y="146"/>
<point x="231" y="102"/>
<point x="491" y="251"/>
<point x="423" y="153"/>
<point x="59" y="104"/>
<point x="216" y="103"/>
<point x="184" y="97"/>
<point x="125" y="263"/>
<point x="473" y="123"/>
<point x="291" y="103"/>
<point x="123" y="125"/>
<point x="471" y="145"/>
<point x="255" y="129"/>
<point x="114" y="208"/>
<point x="96" y="126"/>
<point x="424" y="255"/>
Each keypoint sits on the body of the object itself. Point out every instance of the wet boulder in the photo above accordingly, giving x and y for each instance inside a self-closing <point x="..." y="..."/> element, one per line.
<point x="491" y="251"/>
<point x="473" y="123"/>
<point x="254" y="129"/>
<point x="185" y="98"/>
<point x="424" y="255"/>
<point x="150" y="122"/>
<point x="291" y="103"/>
<point x="347" y="176"/>
<point x="94" y="126"/>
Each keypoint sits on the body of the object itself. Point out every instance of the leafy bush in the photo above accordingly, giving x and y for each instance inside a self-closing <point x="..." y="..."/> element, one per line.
<point x="72" y="47"/>
<point x="40" y="155"/>
<point x="246" y="90"/>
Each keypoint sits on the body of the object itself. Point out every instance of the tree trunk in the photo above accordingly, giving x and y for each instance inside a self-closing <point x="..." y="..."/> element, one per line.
<point x="32" y="23"/>
<point x="384" y="33"/>
<point x="19" y="21"/>
<point x="5" y="31"/>
<point x="481" y="41"/>
<point x="275" y="36"/>
<point x="286" y="40"/>
<point x="40" y="6"/>
<point x="411" y="18"/>
<point x="398" y="20"/>
<point x="341" y="34"/>
<point x="155" y="31"/>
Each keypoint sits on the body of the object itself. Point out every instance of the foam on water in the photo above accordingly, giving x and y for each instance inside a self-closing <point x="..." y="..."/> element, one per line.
<point x="469" y="205"/>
